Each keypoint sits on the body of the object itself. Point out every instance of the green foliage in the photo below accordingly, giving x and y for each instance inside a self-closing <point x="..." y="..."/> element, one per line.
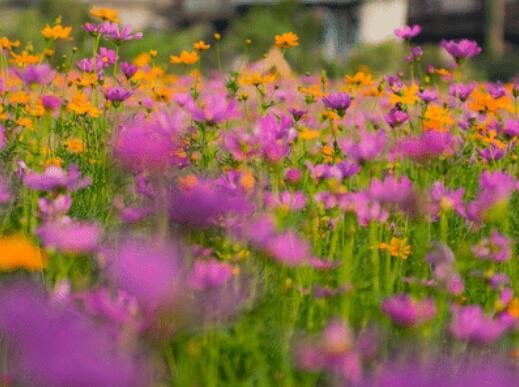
<point x="378" y="58"/>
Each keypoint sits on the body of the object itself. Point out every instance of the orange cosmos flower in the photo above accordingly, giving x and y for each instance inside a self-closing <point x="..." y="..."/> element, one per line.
<point x="7" y="44"/>
<point x="106" y="14"/>
<point x="25" y="58"/>
<point x="57" y="32"/>
<point x="201" y="46"/>
<point x="406" y="96"/>
<point x="397" y="247"/>
<point x="286" y="40"/>
<point x="75" y="145"/>
<point x="256" y="79"/>
<point x="185" y="57"/>
<point x="18" y="252"/>
<point x="359" y="79"/>
<point x="24" y="122"/>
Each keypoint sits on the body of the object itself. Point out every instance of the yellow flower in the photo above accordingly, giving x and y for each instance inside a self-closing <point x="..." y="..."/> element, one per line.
<point x="7" y="44"/>
<point x="81" y="105"/>
<point x="406" y="96"/>
<point x="309" y="134"/>
<point x="185" y="57"/>
<point x="3" y="114"/>
<point x="142" y="60"/>
<point x="19" y="97"/>
<point x="247" y="181"/>
<point x="217" y="36"/>
<point x="201" y="46"/>
<point x="57" y="32"/>
<point x="256" y="79"/>
<point x="359" y="79"/>
<point x="87" y="80"/>
<point x="75" y="145"/>
<point x="438" y="119"/>
<point x="287" y="40"/>
<point x="48" y="52"/>
<point x="25" y="58"/>
<point x="105" y="14"/>
<point x="55" y="161"/>
<point x="313" y="91"/>
<point x="36" y="111"/>
<point x="327" y="153"/>
<point x="24" y="122"/>
<point x="18" y="252"/>
<point x="397" y="247"/>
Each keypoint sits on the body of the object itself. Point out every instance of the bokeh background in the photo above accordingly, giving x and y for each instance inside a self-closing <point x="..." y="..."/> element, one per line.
<point x="336" y="35"/>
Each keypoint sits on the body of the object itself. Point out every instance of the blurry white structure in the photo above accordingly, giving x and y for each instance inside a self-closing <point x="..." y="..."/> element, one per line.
<point x="379" y="18"/>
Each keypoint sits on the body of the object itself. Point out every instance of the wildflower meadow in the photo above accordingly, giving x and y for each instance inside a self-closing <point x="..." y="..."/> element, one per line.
<point x="164" y="224"/>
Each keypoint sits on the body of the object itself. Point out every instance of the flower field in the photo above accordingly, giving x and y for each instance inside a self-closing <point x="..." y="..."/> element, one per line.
<point x="166" y="225"/>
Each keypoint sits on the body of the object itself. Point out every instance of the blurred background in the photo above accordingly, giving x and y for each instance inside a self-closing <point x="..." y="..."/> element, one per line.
<point x="337" y="35"/>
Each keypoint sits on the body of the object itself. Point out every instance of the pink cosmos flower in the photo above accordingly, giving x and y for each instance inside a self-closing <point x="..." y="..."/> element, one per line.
<point x="405" y="311"/>
<point x="408" y="32"/>
<point x="461" y="49"/>
<point x="70" y="236"/>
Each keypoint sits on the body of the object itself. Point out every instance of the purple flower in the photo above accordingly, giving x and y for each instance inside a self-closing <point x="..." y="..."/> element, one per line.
<point x="408" y="32"/>
<point x="112" y="31"/>
<point x="427" y="95"/>
<point x="497" y="248"/>
<point x="206" y="204"/>
<point x="333" y="351"/>
<point x="405" y="311"/>
<point x="118" y="308"/>
<point x="429" y="145"/>
<point x="209" y="274"/>
<point x="54" y="208"/>
<point x="414" y="52"/>
<point x="496" y="90"/>
<point x="470" y="324"/>
<point x="495" y="187"/>
<point x="41" y="74"/>
<point x="151" y="271"/>
<point x="106" y="57"/>
<point x="445" y="371"/>
<point x="214" y="108"/>
<point x="128" y="69"/>
<point x="443" y="262"/>
<point x="461" y="91"/>
<point x="117" y="94"/>
<point x="274" y="136"/>
<point x="366" y="209"/>
<point x="59" y="347"/>
<point x="90" y="28"/>
<point x="288" y="248"/>
<point x="293" y="175"/>
<point x="293" y="201"/>
<point x="297" y="114"/>
<point x="88" y="65"/>
<point x="368" y="147"/>
<point x="444" y="200"/>
<point x="145" y="145"/>
<point x="396" y="117"/>
<point x="461" y="49"/>
<point x="339" y="102"/>
<point x="492" y="153"/>
<point x="511" y="127"/>
<point x="70" y="236"/>
<point x="55" y="178"/>
<point x="51" y="102"/>
<point x="391" y="190"/>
